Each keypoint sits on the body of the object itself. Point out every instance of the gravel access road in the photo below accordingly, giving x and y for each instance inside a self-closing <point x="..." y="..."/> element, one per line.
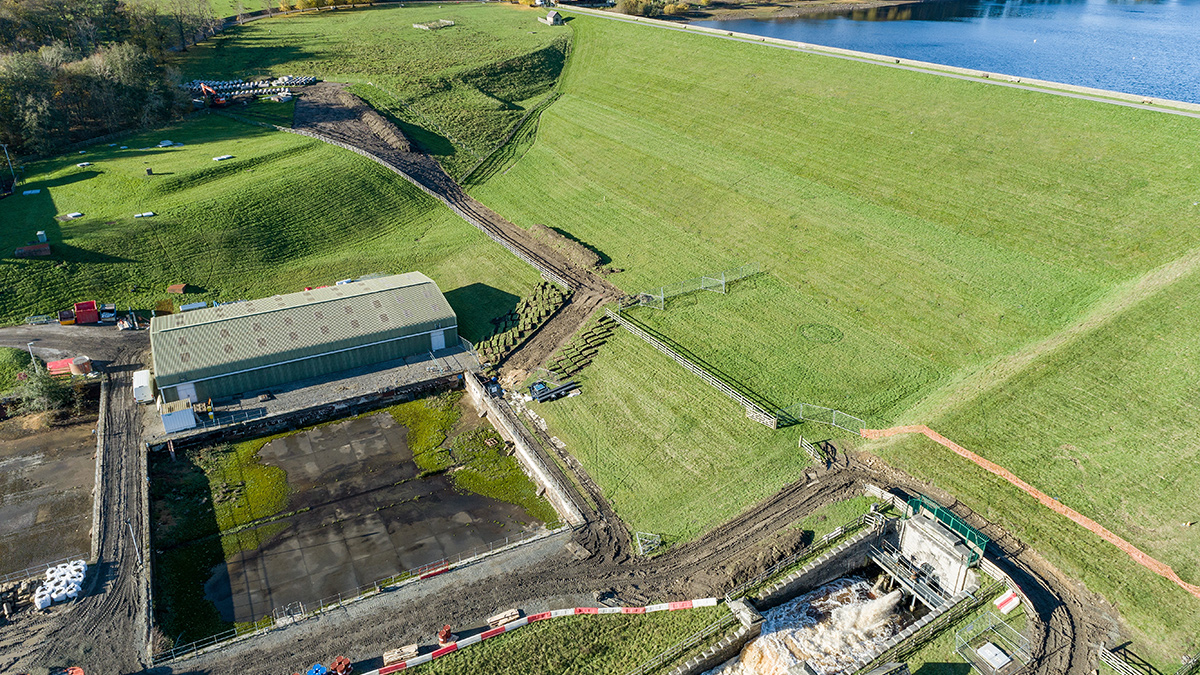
<point x="106" y="630"/>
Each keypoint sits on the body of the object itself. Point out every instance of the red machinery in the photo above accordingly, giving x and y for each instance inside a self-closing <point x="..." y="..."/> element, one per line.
<point x="211" y="98"/>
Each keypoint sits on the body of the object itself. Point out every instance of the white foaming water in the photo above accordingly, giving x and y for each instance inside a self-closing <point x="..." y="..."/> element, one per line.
<point x="835" y="628"/>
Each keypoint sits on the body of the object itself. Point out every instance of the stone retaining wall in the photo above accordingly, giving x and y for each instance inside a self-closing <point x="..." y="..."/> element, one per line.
<point x="730" y="645"/>
<point x="839" y="561"/>
<point x="512" y="431"/>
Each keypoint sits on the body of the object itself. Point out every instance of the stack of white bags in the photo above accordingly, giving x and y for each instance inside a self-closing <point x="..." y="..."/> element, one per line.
<point x="63" y="582"/>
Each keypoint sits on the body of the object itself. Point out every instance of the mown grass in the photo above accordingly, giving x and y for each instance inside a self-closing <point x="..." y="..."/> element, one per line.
<point x="832" y="516"/>
<point x="582" y="644"/>
<point x="936" y="225"/>
<point x="249" y="227"/>
<point x="673" y="457"/>
<point x="456" y="91"/>
<point x="1105" y="425"/>
<point x="12" y="362"/>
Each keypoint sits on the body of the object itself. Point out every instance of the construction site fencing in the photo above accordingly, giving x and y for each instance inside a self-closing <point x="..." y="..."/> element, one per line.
<point x="717" y="282"/>
<point x="29" y="572"/>
<point x="754" y="411"/>
<point x="546" y="272"/>
<point x="683" y="646"/>
<point x="807" y="412"/>
<point x="1190" y="666"/>
<point x="869" y="519"/>
<point x="296" y="612"/>
<point x="1117" y="663"/>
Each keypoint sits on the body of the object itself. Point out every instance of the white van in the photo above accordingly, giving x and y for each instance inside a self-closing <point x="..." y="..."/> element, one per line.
<point x="143" y="386"/>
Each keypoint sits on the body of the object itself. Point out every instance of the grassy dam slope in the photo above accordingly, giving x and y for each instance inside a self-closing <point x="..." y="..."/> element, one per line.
<point x="286" y="212"/>
<point x="1009" y="267"/>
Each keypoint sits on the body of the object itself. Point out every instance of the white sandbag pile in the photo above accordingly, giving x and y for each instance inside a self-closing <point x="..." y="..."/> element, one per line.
<point x="63" y="582"/>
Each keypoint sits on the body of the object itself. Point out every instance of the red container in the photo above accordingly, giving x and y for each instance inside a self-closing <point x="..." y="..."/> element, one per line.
<point x="87" y="312"/>
<point x="60" y="367"/>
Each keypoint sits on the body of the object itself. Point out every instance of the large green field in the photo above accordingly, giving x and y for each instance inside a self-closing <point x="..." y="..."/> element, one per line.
<point x="285" y="213"/>
<point x="456" y="91"/>
<point x="985" y="258"/>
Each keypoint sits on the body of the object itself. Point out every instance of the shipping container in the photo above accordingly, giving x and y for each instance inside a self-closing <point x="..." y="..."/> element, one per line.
<point x="177" y="416"/>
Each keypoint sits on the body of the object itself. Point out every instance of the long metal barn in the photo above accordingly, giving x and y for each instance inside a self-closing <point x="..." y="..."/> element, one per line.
<point x="247" y="346"/>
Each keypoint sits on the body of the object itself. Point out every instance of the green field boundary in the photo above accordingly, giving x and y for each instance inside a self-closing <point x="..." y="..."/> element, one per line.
<point x="758" y="408"/>
<point x="1124" y="99"/>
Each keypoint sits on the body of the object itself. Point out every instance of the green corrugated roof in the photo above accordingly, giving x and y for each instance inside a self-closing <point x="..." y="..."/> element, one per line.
<point x="209" y="342"/>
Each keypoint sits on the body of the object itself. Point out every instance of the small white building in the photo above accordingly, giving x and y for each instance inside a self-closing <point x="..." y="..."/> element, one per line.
<point x="177" y="416"/>
<point x="552" y="18"/>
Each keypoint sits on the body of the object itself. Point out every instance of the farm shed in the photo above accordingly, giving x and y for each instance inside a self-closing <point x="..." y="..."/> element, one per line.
<point x="553" y="18"/>
<point x="249" y="346"/>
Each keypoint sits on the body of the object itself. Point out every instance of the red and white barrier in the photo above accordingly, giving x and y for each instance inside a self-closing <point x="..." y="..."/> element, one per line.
<point x="533" y="618"/>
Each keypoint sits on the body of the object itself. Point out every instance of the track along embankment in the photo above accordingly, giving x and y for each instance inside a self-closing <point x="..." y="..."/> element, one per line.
<point x="329" y="113"/>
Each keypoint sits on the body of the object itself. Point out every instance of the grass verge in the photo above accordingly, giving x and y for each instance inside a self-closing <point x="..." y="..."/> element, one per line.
<point x="248" y="227"/>
<point x="457" y="92"/>
<point x="583" y="644"/>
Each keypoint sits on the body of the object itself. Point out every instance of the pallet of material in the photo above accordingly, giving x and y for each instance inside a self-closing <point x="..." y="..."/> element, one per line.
<point x="402" y="654"/>
<point x="504" y="617"/>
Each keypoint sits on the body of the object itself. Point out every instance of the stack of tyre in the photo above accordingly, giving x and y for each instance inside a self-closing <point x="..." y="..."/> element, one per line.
<point x="63" y="582"/>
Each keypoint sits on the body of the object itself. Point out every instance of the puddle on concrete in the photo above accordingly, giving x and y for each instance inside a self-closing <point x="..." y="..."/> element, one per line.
<point x="46" y="496"/>
<point x="369" y="517"/>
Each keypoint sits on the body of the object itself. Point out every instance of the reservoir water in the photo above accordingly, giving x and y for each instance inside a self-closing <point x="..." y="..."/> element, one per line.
<point x="1148" y="48"/>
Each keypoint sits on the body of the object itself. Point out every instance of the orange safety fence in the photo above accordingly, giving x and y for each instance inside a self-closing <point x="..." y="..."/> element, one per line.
<point x="1141" y="558"/>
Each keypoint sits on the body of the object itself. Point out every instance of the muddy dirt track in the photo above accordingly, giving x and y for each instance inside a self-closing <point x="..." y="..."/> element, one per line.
<point x="328" y="112"/>
<point x="108" y="626"/>
<point x="1064" y="624"/>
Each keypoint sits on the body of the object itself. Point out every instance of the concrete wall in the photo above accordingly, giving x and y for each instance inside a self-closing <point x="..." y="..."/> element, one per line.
<point x="512" y="431"/>
<point x="846" y="557"/>
<point x="749" y="627"/>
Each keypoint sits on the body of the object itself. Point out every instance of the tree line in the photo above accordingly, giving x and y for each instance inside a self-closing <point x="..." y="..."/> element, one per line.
<point x="77" y="69"/>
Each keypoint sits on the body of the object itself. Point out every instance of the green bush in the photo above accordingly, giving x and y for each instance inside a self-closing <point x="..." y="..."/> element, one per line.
<point x="41" y="392"/>
<point x="12" y="363"/>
